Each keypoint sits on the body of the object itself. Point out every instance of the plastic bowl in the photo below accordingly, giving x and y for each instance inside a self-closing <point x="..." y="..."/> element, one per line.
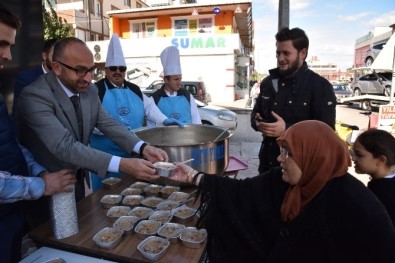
<point x="146" y="228"/>
<point x="108" y="237"/>
<point x="153" y="247"/>
<point x="164" y="169"/>
<point x="126" y="224"/>
<point x="193" y="238"/>
<point x="109" y="201"/>
<point x="171" y="231"/>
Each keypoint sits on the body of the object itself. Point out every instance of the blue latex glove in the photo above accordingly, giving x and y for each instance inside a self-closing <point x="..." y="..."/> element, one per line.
<point x="171" y="121"/>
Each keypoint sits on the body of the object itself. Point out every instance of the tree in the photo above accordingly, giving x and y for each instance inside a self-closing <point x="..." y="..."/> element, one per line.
<point x="54" y="26"/>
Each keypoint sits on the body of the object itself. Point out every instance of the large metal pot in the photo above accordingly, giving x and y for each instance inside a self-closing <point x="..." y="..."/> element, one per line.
<point x="191" y="141"/>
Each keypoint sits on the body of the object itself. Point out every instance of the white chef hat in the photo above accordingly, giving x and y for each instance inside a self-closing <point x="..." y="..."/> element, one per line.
<point x="170" y="58"/>
<point x="115" y="54"/>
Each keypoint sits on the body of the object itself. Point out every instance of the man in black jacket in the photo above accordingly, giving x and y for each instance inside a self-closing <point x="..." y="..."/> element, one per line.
<point x="291" y="93"/>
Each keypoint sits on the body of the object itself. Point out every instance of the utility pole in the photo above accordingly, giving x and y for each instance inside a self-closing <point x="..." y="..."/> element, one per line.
<point x="283" y="14"/>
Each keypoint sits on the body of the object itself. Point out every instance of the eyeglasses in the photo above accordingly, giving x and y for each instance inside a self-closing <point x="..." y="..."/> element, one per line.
<point x="79" y="71"/>
<point x="284" y="153"/>
<point x="114" y="68"/>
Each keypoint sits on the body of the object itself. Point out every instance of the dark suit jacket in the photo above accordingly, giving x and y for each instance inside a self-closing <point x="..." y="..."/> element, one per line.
<point x="48" y="127"/>
<point x="23" y="79"/>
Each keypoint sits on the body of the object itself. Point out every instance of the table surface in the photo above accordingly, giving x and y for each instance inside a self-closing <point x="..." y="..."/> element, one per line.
<point x="92" y="218"/>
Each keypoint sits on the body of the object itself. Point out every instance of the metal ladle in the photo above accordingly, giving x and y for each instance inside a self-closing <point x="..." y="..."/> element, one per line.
<point x="220" y="135"/>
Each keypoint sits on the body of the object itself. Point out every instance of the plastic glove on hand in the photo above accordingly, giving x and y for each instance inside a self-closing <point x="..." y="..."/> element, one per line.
<point x="172" y="121"/>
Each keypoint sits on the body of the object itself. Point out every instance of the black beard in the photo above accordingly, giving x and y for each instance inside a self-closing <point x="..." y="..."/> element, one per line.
<point x="290" y="71"/>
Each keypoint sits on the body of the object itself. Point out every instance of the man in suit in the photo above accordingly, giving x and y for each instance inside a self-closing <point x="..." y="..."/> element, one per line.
<point x="26" y="77"/>
<point x="58" y="134"/>
<point x="13" y="186"/>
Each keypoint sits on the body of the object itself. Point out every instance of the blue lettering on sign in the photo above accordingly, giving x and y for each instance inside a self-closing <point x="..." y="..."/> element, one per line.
<point x="199" y="42"/>
<point x="208" y="155"/>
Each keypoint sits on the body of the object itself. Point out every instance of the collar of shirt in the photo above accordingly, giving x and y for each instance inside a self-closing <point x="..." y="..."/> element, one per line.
<point x="390" y="176"/>
<point x="42" y="66"/>
<point x="171" y="93"/>
<point x="115" y="86"/>
<point x="68" y="92"/>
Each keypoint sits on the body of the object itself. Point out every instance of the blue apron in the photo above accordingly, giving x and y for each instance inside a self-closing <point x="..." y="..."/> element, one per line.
<point x="127" y="108"/>
<point x="176" y="107"/>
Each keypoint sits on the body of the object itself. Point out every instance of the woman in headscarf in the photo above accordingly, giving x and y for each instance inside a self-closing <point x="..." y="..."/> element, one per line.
<point x="307" y="210"/>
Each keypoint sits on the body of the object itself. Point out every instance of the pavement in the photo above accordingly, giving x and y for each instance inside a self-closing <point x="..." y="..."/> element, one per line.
<point x="248" y="151"/>
<point x="245" y="151"/>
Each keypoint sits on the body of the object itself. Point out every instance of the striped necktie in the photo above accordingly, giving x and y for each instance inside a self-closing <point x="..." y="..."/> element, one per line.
<point x="78" y="113"/>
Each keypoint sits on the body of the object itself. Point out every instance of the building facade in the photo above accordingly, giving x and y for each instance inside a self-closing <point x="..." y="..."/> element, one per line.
<point x="215" y="43"/>
<point x="88" y="17"/>
<point x="215" y="38"/>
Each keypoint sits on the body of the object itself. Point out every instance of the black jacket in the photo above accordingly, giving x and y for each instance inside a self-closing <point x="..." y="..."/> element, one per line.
<point x="384" y="189"/>
<point x="345" y="222"/>
<point x="305" y="96"/>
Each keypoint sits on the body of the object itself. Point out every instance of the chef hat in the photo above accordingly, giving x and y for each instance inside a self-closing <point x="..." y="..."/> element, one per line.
<point x="115" y="54"/>
<point x="170" y="58"/>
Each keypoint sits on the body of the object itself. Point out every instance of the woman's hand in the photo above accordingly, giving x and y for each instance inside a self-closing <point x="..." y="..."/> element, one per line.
<point x="183" y="173"/>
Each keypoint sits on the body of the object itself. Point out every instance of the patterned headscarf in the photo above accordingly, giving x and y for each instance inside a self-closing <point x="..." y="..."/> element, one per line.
<point x="320" y="154"/>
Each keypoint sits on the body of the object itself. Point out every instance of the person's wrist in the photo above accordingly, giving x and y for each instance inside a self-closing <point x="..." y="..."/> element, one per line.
<point x="142" y="148"/>
<point x="42" y="173"/>
<point x="191" y="174"/>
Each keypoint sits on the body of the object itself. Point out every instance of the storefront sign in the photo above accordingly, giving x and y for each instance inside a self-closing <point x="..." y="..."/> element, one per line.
<point x="199" y="42"/>
<point x="387" y="118"/>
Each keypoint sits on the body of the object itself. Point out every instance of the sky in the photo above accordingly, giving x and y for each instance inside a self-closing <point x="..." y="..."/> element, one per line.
<point x="332" y="27"/>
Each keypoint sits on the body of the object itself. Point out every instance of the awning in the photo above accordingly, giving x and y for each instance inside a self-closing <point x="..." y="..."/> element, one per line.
<point x="385" y="59"/>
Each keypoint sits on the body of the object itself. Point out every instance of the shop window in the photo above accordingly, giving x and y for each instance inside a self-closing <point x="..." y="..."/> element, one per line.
<point x="98" y="9"/>
<point x="186" y="26"/>
<point x="91" y="6"/>
<point x="143" y="29"/>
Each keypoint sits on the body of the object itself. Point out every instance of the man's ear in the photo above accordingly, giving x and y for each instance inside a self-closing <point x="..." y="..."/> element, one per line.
<point x="381" y="160"/>
<point x="303" y="53"/>
<point x="56" y="68"/>
<point x="43" y="56"/>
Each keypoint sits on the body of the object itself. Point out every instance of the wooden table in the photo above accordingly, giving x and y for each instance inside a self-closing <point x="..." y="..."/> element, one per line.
<point x="92" y="218"/>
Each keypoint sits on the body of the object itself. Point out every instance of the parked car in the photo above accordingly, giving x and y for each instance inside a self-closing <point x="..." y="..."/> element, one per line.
<point x="341" y="91"/>
<point x="196" y="88"/>
<point x="373" y="52"/>
<point x="374" y="83"/>
<point x="217" y="116"/>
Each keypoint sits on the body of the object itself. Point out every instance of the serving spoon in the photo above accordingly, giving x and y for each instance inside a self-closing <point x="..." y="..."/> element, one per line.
<point x="189" y="160"/>
<point x="220" y="135"/>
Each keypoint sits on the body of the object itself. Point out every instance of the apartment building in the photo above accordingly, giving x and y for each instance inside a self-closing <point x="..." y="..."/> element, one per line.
<point x="215" y="42"/>
<point x="89" y="18"/>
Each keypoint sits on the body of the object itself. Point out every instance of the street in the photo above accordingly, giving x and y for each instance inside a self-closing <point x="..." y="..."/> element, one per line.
<point x="245" y="142"/>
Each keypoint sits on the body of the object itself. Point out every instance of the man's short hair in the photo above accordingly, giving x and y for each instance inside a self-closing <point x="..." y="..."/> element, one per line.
<point x="8" y="18"/>
<point x="61" y="45"/>
<point x="48" y="44"/>
<point x="296" y="35"/>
